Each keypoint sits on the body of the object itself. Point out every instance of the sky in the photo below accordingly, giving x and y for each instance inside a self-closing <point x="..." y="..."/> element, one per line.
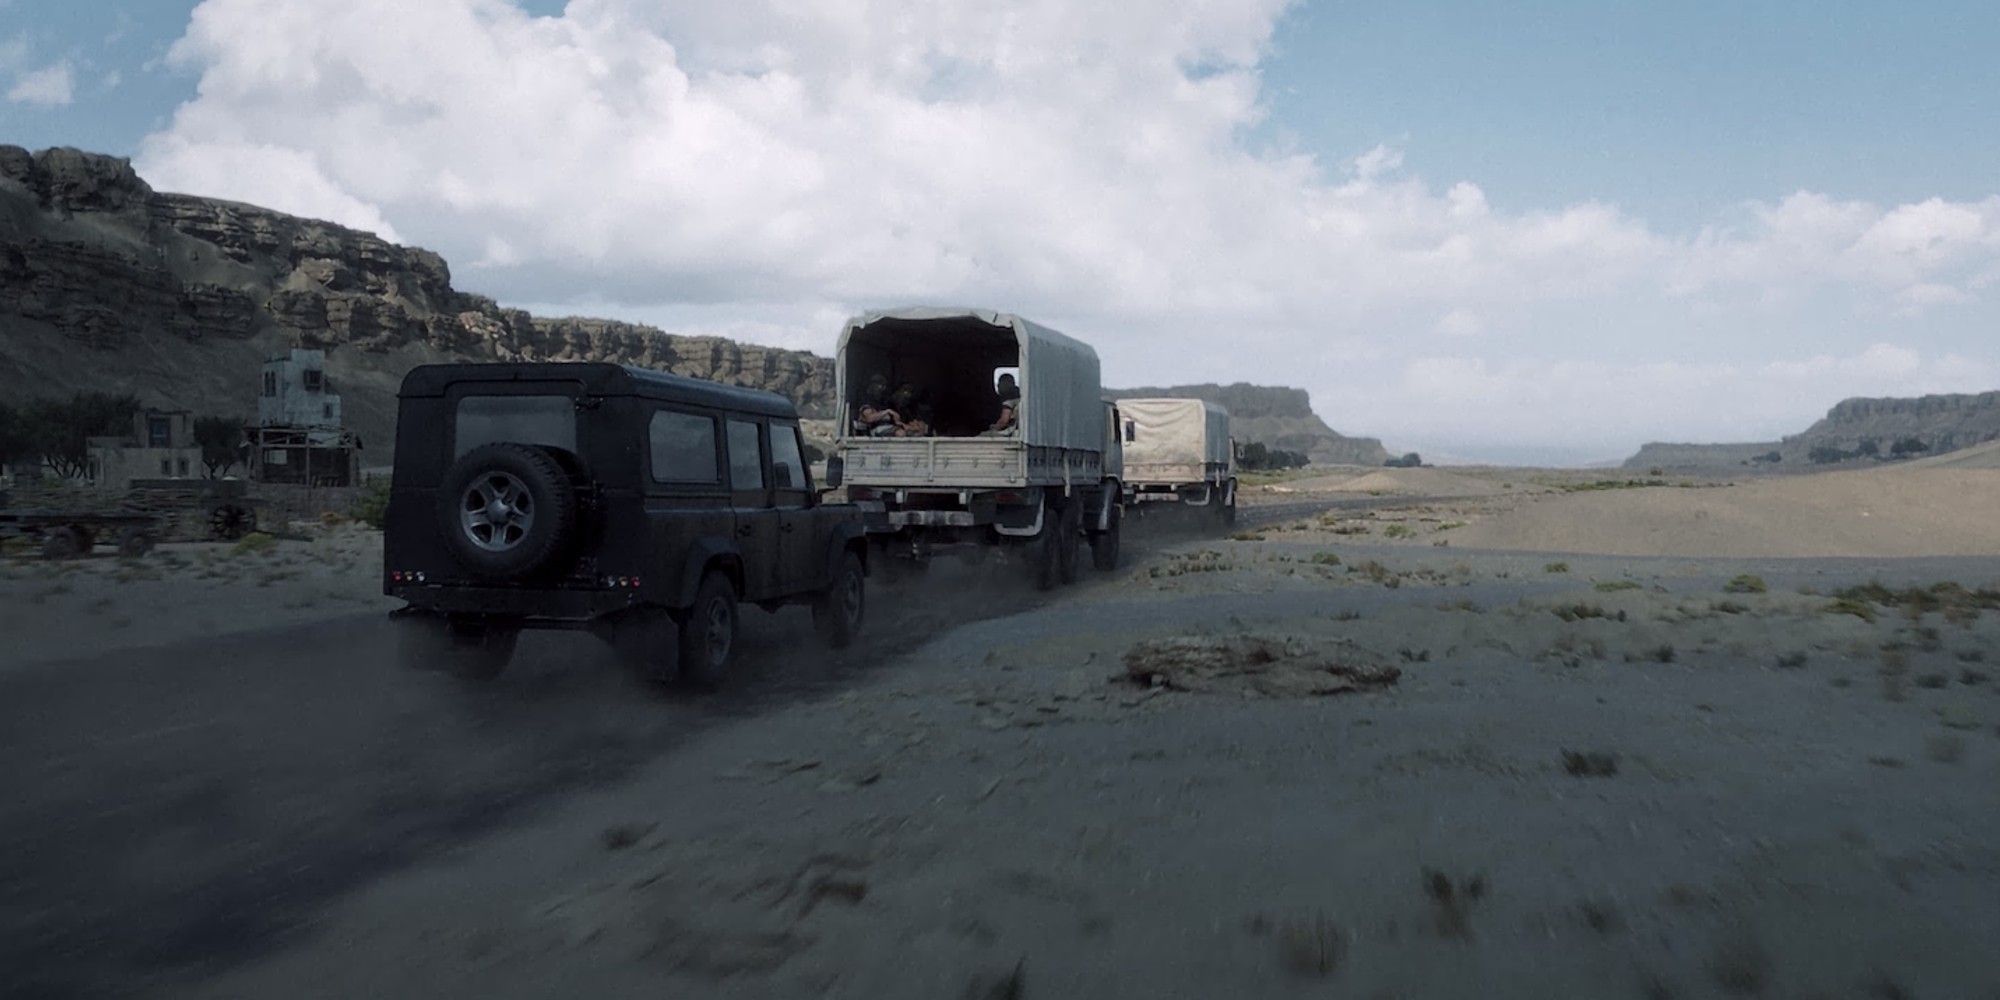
<point x="1539" y="232"/>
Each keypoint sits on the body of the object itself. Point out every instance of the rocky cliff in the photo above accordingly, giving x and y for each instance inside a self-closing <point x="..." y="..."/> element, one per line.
<point x="1278" y="417"/>
<point x="1942" y="423"/>
<point x="108" y="284"/>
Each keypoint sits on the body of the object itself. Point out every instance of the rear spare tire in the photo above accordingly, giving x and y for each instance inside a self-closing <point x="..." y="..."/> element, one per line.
<point x="506" y="510"/>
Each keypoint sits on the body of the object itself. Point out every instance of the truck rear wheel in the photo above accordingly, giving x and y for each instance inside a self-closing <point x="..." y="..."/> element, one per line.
<point x="837" y="613"/>
<point x="1069" y="546"/>
<point x="1104" y="544"/>
<point x="61" y="543"/>
<point x="1046" y="558"/>
<point x="708" y="635"/>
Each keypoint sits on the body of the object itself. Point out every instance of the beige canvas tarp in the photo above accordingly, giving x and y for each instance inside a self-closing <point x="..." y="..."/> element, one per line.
<point x="1173" y="439"/>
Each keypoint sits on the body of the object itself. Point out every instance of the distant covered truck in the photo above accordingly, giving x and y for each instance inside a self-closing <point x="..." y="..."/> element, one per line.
<point x="965" y="427"/>
<point x="1179" y="451"/>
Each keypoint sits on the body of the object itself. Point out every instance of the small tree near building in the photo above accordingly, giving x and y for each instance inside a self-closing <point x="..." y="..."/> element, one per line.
<point x="221" y="443"/>
<point x="62" y="428"/>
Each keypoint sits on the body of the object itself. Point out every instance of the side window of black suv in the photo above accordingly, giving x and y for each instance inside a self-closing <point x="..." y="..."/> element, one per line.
<point x="683" y="447"/>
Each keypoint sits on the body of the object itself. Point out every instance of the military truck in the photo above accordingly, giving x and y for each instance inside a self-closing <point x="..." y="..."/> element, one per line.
<point x="637" y="505"/>
<point x="961" y="465"/>
<point x="1179" y="451"/>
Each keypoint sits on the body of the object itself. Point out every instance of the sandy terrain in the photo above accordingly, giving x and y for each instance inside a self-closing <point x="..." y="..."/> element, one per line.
<point x="1320" y="758"/>
<point x="185" y="591"/>
<point x="1949" y="509"/>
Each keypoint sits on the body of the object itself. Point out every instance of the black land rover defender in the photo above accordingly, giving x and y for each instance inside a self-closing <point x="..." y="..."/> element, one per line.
<point x="633" y="504"/>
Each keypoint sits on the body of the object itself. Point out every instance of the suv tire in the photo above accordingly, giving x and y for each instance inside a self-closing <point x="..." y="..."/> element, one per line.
<point x="708" y="633"/>
<point x="837" y="613"/>
<point x="506" y="510"/>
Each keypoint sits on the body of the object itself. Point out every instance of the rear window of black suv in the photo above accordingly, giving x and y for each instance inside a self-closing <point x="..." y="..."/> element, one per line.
<point x="548" y="421"/>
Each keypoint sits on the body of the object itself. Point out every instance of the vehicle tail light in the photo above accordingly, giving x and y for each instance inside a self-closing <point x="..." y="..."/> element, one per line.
<point x="860" y="493"/>
<point x="1008" y="496"/>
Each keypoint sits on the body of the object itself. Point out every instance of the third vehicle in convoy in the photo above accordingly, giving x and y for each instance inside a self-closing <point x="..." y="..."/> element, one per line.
<point x="969" y="428"/>
<point x="1179" y="451"/>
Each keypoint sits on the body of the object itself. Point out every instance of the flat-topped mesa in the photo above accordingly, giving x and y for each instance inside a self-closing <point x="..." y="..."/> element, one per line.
<point x="1860" y="429"/>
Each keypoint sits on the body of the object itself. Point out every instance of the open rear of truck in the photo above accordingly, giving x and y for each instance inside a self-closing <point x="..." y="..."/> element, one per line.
<point x="955" y="472"/>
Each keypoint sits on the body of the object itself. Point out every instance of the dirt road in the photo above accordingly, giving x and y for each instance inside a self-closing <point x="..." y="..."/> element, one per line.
<point x="1412" y="772"/>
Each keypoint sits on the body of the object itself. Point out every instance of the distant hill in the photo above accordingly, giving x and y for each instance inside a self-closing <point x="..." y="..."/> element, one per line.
<point x="1853" y="427"/>
<point x="1278" y="417"/>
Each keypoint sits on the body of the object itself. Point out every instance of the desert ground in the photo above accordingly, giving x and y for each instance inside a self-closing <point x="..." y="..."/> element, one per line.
<point x="1399" y="733"/>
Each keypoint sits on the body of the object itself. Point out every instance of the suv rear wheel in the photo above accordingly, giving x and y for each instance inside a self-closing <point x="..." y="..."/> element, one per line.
<point x="837" y="613"/>
<point x="506" y="510"/>
<point x="708" y="636"/>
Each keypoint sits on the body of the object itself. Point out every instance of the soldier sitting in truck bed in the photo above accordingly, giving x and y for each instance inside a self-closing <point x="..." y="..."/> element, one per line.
<point x="1010" y="407"/>
<point x="874" y="416"/>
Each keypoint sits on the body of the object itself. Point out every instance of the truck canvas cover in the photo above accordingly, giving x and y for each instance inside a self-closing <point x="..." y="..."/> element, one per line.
<point x="1173" y="439"/>
<point x="1060" y="405"/>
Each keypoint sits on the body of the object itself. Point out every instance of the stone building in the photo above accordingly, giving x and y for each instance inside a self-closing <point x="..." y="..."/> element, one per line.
<point x="299" y="437"/>
<point x="160" y="445"/>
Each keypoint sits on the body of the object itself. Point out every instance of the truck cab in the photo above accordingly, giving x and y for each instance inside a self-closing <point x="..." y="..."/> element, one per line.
<point x="637" y="505"/>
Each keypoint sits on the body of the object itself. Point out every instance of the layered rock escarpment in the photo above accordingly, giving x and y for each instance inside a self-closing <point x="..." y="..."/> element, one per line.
<point x="106" y="283"/>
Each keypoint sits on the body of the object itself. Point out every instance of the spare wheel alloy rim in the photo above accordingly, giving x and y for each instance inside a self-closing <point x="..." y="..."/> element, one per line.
<point x="497" y="511"/>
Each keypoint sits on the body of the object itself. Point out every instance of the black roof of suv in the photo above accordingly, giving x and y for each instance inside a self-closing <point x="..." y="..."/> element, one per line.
<point x="601" y="379"/>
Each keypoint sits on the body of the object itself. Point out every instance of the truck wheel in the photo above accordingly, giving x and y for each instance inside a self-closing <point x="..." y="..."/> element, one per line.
<point x="1047" y="545"/>
<point x="1104" y="544"/>
<point x="474" y="651"/>
<point x="506" y="510"/>
<point x="708" y="635"/>
<point x="837" y="613"/>
<point x="1069" y="548"/>
<point x="134" y="542"/>
<point x="61" y="543"/>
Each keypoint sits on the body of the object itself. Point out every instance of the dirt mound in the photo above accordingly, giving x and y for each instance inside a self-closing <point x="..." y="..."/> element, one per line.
<point x="1420" y="482"/>
<point x="1274" y="668"/>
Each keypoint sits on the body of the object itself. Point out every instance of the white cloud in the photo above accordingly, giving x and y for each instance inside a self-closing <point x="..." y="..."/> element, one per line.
<point x="52" y="86"/>
<point x="748" y="167"/>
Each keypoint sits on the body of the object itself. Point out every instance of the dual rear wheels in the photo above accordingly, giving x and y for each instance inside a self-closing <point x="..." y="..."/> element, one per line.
<point x="1058" y="550"/>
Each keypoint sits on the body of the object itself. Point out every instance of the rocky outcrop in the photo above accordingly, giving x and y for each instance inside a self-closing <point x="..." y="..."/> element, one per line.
<point x="1861" y="429"/>
<point x="1278" y="417"/>
<point x="146" y="286"/>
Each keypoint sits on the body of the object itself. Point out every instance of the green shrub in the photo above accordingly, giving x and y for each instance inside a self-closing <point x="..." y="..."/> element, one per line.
<point x="373" y="504"/>
<point x="1613" y="586"/>
<point x="1556" y="567"/>
<point x="253" y="543"/>
<point x="1746" y="584"/>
